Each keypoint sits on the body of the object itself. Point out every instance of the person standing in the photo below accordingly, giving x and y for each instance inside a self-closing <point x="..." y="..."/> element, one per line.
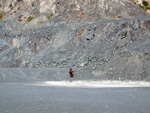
<point x="71" y="73"/>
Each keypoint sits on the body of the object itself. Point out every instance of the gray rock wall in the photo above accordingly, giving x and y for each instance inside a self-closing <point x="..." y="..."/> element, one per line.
<point x="98" y="39"/>
<point x="116" y="50"/>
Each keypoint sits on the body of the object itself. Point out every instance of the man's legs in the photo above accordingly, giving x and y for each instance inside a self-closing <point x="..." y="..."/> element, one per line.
<point x="71" y="75"/>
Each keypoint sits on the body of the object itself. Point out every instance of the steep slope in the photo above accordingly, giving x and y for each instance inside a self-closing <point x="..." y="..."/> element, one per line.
<point x="89" y="35"/>
<point x="87" y="10"/>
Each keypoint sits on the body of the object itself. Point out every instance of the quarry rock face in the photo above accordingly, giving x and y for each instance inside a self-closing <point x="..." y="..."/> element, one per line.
<point x="100" y="39"/>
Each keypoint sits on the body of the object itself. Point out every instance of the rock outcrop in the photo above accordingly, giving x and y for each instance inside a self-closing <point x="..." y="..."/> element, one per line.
<point x="100" y="39"/>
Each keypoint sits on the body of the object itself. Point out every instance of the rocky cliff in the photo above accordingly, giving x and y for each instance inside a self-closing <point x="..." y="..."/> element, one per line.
<point x="100" y="39"/>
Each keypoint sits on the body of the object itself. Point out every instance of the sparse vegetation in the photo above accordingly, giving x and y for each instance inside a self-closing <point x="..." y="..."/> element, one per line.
<point x="19" y="19"/>
<point x="49" y="17"/>
<point x="1" y="15"/>
<point x="148" y="8"/>
<point x="30" y="18"/>
<point x="52" y="14"/>
<point x="18" y="8"/>
<point x="119" y="16"/>
<point x="145" y="3"/>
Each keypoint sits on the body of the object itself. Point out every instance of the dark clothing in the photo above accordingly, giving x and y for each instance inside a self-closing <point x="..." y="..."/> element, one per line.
<point x="71" y="74"/>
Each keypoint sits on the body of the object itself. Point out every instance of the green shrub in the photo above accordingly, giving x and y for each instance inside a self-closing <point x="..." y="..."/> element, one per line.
<point x="147" y="8"/>
<point x="119" y="16"/>
<point x="52" y="14"/>
<point x="30" y="18"/>
<point x="1" y="15"/>
<point x="49" y="17"/>
<point x="145" y="3"/>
